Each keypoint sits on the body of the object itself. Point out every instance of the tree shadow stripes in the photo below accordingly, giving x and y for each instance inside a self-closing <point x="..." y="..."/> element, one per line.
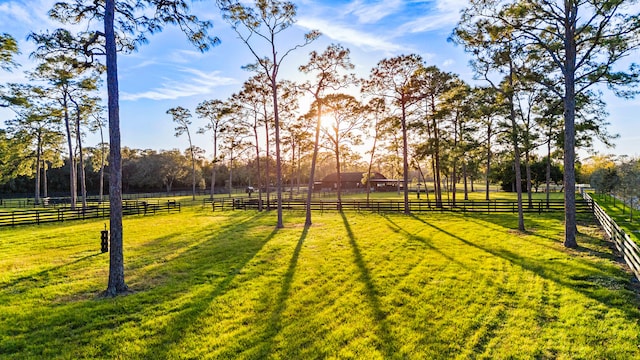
<point x="275" y="321"/>
<point x="557" y="272"/>
<point x="389" y="345"/>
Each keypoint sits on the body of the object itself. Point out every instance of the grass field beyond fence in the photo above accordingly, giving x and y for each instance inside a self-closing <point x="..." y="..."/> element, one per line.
<point x="227" y="285"/>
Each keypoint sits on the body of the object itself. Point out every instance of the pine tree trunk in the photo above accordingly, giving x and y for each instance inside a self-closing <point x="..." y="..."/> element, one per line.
<point x="569" y="129"/>
<point x="405" y="160"/>
<point x="116" y="283"/>
<point x="314" y="159"/>
<point x="38" y="156"/>
<point x="72" y="164"/>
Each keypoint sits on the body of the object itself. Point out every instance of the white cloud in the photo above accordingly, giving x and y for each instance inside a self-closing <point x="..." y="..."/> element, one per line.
<point x="344" y="34"/>
<point x="199" y="84"/>
<point x="448" y="63"/>
<point x="431" y="22"/>
<point x="444" y="16"/>
<point x="369" y="13"/>
<point x="15" y="12"/>
<point x="33" y="14"/>
<point x="183" y="56"/>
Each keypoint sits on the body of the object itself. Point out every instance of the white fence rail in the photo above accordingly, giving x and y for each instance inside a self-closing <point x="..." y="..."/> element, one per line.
<point x="627" y="247"/>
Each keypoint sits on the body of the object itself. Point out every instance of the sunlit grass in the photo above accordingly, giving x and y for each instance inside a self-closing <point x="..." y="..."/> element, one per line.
<point x="621" y="214"/>
<point x="355" y="285"/>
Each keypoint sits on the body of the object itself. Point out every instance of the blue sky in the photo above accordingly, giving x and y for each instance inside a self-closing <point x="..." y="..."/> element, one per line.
<point x="169" y="72"/>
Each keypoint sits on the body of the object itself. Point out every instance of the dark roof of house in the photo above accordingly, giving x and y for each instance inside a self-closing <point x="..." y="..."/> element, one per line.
<point x="351" y="177"/>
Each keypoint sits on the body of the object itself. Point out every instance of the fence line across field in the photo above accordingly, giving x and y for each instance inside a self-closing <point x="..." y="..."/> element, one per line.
<point x="625" y="245"/>
<point x="494" y="206"/>
<point x="92" y="211"/>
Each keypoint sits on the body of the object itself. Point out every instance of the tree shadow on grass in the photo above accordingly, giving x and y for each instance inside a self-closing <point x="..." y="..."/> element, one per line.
<point x="198" y="275"/>
<point x="190" y="312"/>
<point x="426" y="242"/>
<point x="388" y="343"/>
<point x="275" y="320"/>
<point x="43" y="275"/>
<point x="594" y="244"/>
<point x="581" y="278"/>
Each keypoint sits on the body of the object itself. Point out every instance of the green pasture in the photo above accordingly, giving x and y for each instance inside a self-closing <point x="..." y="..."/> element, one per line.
<point x="620" y="213"/>
<point x="227" y="285"/>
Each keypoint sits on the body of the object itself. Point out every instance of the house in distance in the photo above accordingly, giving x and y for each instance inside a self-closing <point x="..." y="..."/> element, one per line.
<point x="354" y="180"/>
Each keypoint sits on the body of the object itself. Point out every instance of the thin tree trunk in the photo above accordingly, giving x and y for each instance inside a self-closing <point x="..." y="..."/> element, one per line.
<point x="72" y="167"/>
<point x="38" y="157"/>
<point x="424" y="181"/>
<point x="548" y="174"/>
<point x="454" y="172"/>
<point x="405" y="159"/>
<point x="516" y="149"/>
<point x="230" y="170"/>
<point x="44" y="179"/>
<point x="527" y="167"/>
<point x="214" y="162"/>
<point x="436" y="155"/>
<point x="569" y="128"/>
<point x="314" y="159"/>
<point x="276" y="118"/>
<point x="116" y="283"/>
<point x="339" y="185"/>
<point x="101" y="165"/>
<point x="293" y="170"/>
<point x="83" y="183"/>
<point x="464" y="176"/>
<point x="193" y="166"/>
<point x="255" y="134"/>
<point x="373" y="150"/>
<point x="299" y="170"/>
<point x="488" y="170"/>
<point x="267" y="165"/>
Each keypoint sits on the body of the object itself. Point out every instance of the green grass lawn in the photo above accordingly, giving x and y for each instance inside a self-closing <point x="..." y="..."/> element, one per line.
<point x="621" y="214"/>
<point x="227" y="285"/>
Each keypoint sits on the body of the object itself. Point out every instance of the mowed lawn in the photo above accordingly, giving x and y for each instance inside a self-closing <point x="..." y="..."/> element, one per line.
<point x="227" y="285"/>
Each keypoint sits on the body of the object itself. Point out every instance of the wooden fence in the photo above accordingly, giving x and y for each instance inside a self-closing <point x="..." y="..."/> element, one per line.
<point x="503" y="206"/>
<point x="41" y="216"/>
<point x="627" y="247"/>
